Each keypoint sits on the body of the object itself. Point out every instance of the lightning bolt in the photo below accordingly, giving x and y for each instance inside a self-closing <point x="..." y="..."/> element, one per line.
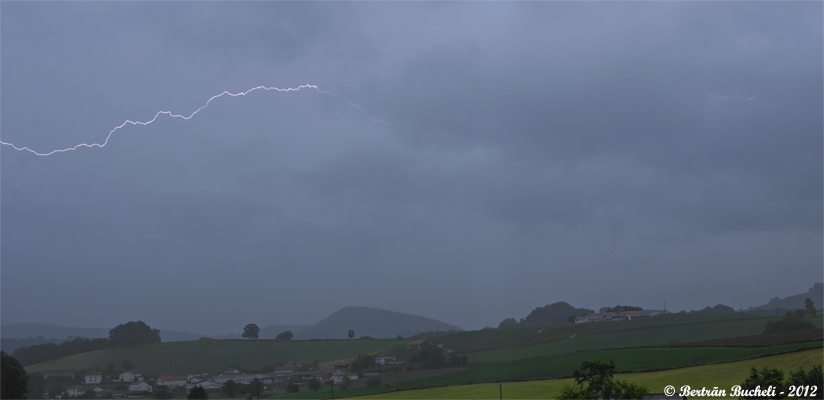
<point x="732" y="97"/>
<point x="169" y="113"/>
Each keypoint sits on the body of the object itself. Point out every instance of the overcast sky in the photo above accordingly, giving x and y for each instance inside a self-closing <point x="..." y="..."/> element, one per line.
<point x="593" y="153"/>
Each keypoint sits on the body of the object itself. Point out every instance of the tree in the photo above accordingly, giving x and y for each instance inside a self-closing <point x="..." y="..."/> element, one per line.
<point x="594" y="380"/>
<point x="293" y="388"/>
<point x="285" y="335"/>
<point x="255" y="388"/>
<point x="251" y="331"/>
<point x="164" y="392"/>
<point x="351" y="334"/>
<point x="361" y="362"/>
<point x="429" y="356"/>
<point x="787" y="324"/>
<point x="812" y="378"/>
<point x="230" y="388"/>
<point x="809" y="306"/>
<point x="127" y="365"/>
<point x="454" y="359"/>
<point x="508" y="323"/>
<point x="373" y="381"/>
<point x="344" y="383"/>
<point x="37" y="385"/>
<point x="314" y="384"/>
<point x="765" y="378"/>
<point x="14" y="379"/>
<point x="197" y="392"/>
<point x="133" y="334"/>
<point x="89" y="394"/>
<point x="110" y="367"/>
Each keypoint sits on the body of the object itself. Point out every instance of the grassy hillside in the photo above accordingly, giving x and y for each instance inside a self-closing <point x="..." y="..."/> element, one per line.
<point x="215" y="355"/>
<point x="618" y="338"/>
<point x="627" y="360"/>
<point x="493" y="339"/>
<point x="720" y="375"/>
<point x="372" y="322"/>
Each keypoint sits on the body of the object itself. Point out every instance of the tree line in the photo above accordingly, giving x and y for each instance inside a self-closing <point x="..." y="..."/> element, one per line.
<point x="129" y="334"/>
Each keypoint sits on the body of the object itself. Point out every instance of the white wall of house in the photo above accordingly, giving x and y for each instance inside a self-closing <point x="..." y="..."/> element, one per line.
<point x="141" y="386"/>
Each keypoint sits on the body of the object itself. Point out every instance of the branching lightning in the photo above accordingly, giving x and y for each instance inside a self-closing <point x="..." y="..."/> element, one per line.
<point x="169" y="113"/>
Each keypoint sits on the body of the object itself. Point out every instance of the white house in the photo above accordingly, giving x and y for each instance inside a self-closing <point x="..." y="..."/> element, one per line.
<point x="140" y="386"/>
<point x="93" y="377"/>
<point x="384" y="360"/>
<point x="171" y="380"/>
<point x="131" y="376"/>
<point x="197" y="377"/>
<point x="75" y="390"/>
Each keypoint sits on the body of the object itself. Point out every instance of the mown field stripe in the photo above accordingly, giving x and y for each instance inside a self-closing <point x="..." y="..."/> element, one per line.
<point x="715" y="375"/>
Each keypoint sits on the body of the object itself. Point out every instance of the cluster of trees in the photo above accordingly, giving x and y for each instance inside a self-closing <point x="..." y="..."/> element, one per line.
<point x="197" y="392"/>
<point x="231" y="389"/>
<point x="14" y="378"/>
<point x="432" y="357"/>
<point x="793" y="321"/>
<point x="285" y="335"/>
<point x="774" y="377"/>
<point x="594" y="381"/>
<point x="49" y="351"/>
<point x="789" y="323"/>
<point x="620" y="308"/>
<point x="718" y="309"/>
<point x="362" y="362"/>
<point x="133" y="334"/>
<point x="314" y="384"/>
<point x="560" y="313"/>
<point x="129" y="334"/>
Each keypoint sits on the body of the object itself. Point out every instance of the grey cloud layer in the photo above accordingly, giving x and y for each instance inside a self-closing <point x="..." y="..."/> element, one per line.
<point x="537" y="152"/>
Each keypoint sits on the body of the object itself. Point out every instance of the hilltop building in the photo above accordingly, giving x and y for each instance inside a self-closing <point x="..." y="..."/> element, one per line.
<point x="618" y="316"/>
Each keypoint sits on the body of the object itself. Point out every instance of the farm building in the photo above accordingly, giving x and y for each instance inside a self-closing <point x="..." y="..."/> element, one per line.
<point x="618" y="316"/>
<point x="417" y="344"/>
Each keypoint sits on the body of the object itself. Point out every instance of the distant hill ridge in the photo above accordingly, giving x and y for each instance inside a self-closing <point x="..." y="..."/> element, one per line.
<point x="816" y="293"/>
<point x="35" y="329"/>
<point x="365" y="321"/>
<point x="372" y="322"/>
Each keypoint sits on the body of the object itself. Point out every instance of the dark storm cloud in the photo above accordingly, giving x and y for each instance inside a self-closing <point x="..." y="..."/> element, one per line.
<point x="536" y="152"/>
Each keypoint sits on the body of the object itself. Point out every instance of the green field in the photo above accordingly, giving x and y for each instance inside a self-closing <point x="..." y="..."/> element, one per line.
<point x="700" y="326"/>
<point x="618" y="336"/>
<point x="216" y="355"/>
<point x="720" y="375"/>
<point x="531" y="362"/>
<point x="640" y="359"/>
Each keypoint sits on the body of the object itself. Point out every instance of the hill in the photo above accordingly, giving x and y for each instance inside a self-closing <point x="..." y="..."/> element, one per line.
<point x="215" y="355"/>
<point x="33" y="330"/>
<point x="372" y="322"/>
<point x="797" y="301"/>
